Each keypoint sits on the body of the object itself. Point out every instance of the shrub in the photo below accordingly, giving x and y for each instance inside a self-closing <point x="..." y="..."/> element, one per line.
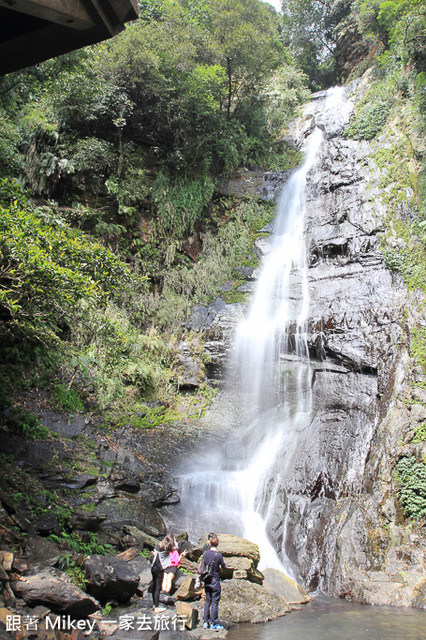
<point x="180" y="201"/>
<point x="223" y="249"/>
<point x="66" y="399"/>
<point x="412" y="491"/>
<point x="44" y="271"/>
<point x="26" y="424"/>
<point x="420" y="433"/>
<point x="369" y="120"/>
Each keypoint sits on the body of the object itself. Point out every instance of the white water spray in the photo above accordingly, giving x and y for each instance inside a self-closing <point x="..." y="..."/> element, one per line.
<point x="271" y="384"/>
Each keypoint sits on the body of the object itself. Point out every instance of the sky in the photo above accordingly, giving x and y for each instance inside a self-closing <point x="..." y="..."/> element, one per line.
<point x="274" y="3"/>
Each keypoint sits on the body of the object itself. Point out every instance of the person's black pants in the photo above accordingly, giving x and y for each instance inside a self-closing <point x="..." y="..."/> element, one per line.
<point x="211" y="607"/>
<point x="157" y="581"/>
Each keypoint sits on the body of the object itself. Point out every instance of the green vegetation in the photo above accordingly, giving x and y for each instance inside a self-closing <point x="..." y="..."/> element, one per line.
<point x="420" y="433"/>
<point x="31" y="494"/>
<point x="311" y="30"/>
<point x="412" y="493"/>
<point x="370" y="118"/>
<point x="109" y="159"/>
<point x="67" y="564"/>
<point x="77" y="545"/>
<point x="26" y="424"/>
<point x="66" y="400"/>
<point x="144" y="417"/>
<point x="418" y="346"/>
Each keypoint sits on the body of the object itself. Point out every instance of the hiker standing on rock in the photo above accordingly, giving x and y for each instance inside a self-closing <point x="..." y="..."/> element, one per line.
<point x="160" y="561"/>
<point x="210" y="535"/>
<point x="213" y="559"/>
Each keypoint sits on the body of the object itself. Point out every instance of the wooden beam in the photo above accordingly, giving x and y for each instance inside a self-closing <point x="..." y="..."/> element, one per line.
<point x="69" y="13"/>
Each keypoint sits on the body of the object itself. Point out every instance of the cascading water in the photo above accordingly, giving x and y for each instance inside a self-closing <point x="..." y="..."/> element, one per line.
<point x="234" y="488"/>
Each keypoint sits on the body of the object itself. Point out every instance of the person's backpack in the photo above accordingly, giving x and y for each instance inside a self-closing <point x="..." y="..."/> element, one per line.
<point x="205" y="571"/>
<point x="155" y="562"/>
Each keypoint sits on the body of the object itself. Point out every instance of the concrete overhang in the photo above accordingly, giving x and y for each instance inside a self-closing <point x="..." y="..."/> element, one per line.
<point x="35" y="30"/>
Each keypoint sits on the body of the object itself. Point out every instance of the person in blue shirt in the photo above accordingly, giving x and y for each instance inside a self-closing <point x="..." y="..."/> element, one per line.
<point x="212" y="587"/>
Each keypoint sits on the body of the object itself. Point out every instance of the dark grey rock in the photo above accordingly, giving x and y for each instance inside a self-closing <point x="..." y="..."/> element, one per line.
<point x="86" y="520"/>
<point x="66" y="426"/>
<point x="82" y="480"/>
<point x="190" y="368"/>
<point x="130" y="510"/>
<point x="142" y="566"/>
<point x="53" y="588"/>
<point x="110" y="578"/>
<point x="46" y="525"/>
<point x="245" y="272"/>
<point x="246" y="287"/>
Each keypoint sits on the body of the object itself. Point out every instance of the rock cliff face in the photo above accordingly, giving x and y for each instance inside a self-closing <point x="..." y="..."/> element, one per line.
<point x="334" y="515"/>
<point x="335" y="488"/>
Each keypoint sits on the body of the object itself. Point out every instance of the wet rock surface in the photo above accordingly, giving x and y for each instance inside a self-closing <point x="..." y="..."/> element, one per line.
<point x="355" y="322"/>
<point x="338" y="487"/>
<point x="277" y="582"/>
<point x="257" y="182"/>
<point x="216" y="323"/>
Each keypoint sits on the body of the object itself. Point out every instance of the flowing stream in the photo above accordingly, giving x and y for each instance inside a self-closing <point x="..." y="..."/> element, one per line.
<point x="233" y="487"/>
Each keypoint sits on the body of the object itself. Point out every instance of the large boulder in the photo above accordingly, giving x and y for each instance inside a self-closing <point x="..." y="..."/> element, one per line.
<point x="243" y="601"/>
<point x="86" y="520"/>
<point x="277" y="582"/>
<point x="187" y="590"/>
<point x="190" y="369"/>
<point x="109" y="578"/>
<point x="230" y="545"/>
<point x="141" y="566"/>
<point x="54" y="589"/>
<point x="241" y="567"/>
<point x="131" y="511"/>
<point x="139" y="538"/>
<point x="188" y="613"/>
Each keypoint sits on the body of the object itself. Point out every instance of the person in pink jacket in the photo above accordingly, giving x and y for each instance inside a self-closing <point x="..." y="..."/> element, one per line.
<point x="171" y="570"/>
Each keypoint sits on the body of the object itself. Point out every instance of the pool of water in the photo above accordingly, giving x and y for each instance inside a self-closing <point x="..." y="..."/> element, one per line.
<point x="339" y="620"/>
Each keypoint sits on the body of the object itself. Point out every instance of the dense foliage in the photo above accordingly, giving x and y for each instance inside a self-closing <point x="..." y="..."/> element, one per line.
<point x="118" y="147"/>
<point x="329" y="39"/>
<point x="179" y="89"/>
<point x="311" y="30"/>
<point x="412" y="476"/>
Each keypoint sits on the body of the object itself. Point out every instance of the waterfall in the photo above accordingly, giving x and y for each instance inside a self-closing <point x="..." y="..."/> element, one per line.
<point x="234" y="487"/>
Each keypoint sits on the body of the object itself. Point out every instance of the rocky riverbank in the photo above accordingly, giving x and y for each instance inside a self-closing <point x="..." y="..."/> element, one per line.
<point x="81" y="512"/>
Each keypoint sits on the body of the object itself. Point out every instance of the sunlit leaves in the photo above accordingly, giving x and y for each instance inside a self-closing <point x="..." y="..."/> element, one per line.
<point x="45" y="270"/>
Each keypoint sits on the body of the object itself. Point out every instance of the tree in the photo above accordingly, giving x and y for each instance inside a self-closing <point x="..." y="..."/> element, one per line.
<point x="310" y="30"/>
<point x="250" y="48"/>
<point x="399" y="26"/>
